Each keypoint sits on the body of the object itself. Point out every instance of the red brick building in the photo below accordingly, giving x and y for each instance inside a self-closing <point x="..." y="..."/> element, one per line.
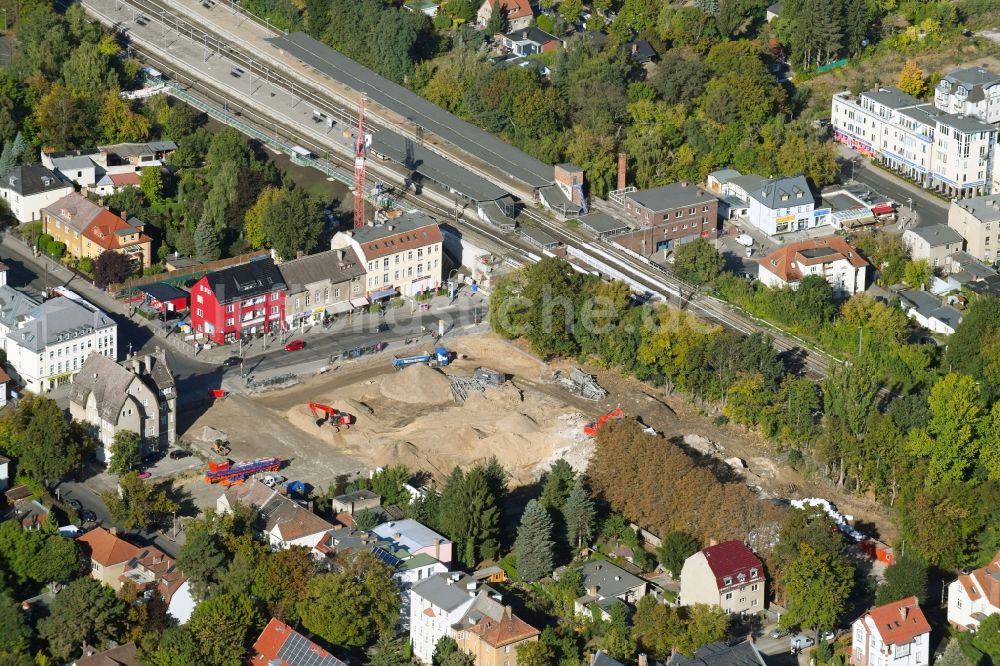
<point x="668" y="216"/>
<point x="239" y="301"/>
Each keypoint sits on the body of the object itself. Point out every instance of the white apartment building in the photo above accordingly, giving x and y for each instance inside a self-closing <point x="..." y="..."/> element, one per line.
<point x="970" y="91"/>
<point x="30" y="188"/>
<point x="896" y="634"/>
<point x="832" y="258"/>
<point x="436" y="603"/>
<point x="51" y="342"/>
<point x="784" y="205"/>
<point x="951" y="153"/>
<point x="402" y="257"/>
<point x="974" y="596"/>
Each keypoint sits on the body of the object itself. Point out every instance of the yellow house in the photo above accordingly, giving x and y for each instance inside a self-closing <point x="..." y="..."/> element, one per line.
<point x="109" y="555"/>
<point x="88" y="230"/>
<point x="491" y="633"/>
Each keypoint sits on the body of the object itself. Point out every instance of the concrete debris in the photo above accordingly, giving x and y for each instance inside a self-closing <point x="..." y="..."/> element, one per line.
<point x="580" y="383"/>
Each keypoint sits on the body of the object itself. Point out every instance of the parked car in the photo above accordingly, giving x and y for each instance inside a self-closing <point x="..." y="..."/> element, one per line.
<point x="801" y="642"/>
<point x="145" y="474"/>
<point x="273" y="480"/>
<point x="231" y="362"/>
<point x="177" y="454"/>
<point x="382" y="328"/>
<point x="745" y="240"/>
<point x="778" y="632"/>
<point x="75" y="504"/>
<point x="88" y="517"/>
<point x="295" y="345"/>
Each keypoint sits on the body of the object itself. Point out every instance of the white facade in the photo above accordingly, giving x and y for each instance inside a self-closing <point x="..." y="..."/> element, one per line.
<point x="785" y="205"/>
<point x="182" y="603"/>
<point x="435" y="605"/>
<point x="48" y="348"/>
<point x="951" y="153"/>
<point x="27" y="208"/>
<point x="974" y="596"/>
<point x="972" y="91"/>
<point x="831" y="258"/>
<point x="896" y="634"/>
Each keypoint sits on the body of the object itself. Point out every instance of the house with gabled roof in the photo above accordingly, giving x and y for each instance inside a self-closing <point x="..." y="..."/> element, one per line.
<point x="974" y="596"/>
<point x="109" y="555"/>
<point x="152" y="571"/>
<point x="29" y="188"/>
<point x="894" y="634"/>
<point x="517" y="12"/>
<point x="606" y="584"/>
<point x="280" y="645"/>
<point x="280" y="521"/>
<point x="727" y="575"/>
<point x="490" y="631"/>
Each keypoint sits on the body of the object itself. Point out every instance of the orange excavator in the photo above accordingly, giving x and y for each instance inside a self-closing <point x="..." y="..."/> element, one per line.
<point x="327" y="414"/>
<point x="591" y="428"/>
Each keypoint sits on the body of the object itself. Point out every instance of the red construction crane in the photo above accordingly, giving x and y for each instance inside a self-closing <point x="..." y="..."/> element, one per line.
<point x="331" y="415"/>
<point x="591" y="428"/>
<point x="359" y="167"/>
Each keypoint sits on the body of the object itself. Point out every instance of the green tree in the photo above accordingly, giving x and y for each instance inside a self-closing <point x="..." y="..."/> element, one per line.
<point x="224" y="627"/>
<point x="558" y="484"/>
<point x="253" y="222"/>
<point x="47" y="447"/>
<point x="987" y="638"/>
<point x="366" y="520"/>
<point x="497" y="24"/>
<point x="469" y="515"/>
<point x="58" y="559"/>
<point x="911" y="80"/>
<point x="85" y="611"/>
<point x="281" y="579"/>
<point x="674" y="549"/>
<point x="388" y="483"/>
<point x="11" y="152"/>
<point x="535" y="653"/>
<point x="817" y="585"/>
<point x="698" y="262"/>
<point x="174" y="647"/>
<point x="950" y="441"/>
<point x="953" y="656"/>
<point x="151" y="184"/>
<point x="15" y="632"/>
<point x="126" y="453"/>
<point x="905" y="577"/>
<point x="443" y="650"/>
<point x="87" y="70"/>
<point x="351" y="607"/>
<point x="534" y="546"/>
<point x="140" y="504"/>
<point x="112" y="267"/>
<point x="292" y="222"/>
<point x="118" y="122"/>
<point x="571" y="10"/>
<point x="42" y="557"/>
<point x="918" y="273"/>
<point x="578" y="514"/>
<point x="207" y="241"/>
<point x="679" y="79"/>
<point x="704" y="625"/>
<point x="201" y="558"/>
<point x="387" y="652"/>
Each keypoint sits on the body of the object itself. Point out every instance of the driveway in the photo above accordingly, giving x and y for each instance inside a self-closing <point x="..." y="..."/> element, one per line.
<point x="928" y="208"/>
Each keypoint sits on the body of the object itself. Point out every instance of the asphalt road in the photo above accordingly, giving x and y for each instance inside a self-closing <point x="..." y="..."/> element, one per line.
<point x="929" y="209"/>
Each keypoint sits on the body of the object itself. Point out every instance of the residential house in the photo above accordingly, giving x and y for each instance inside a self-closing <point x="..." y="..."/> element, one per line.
<point x="741" y="653"/>
<point x="280" y="645"/>
<point x="773" y="11"/>
<point x="605" y="585"/>
<point x="110" y="183"/>
<point x="417" y="538"/>
<point x="72" y="166"/>
<point x="970" y="91"/>
<point x="404" y="256"/>
<point x="733" y="190"/>
<point x="974" y="596"/>
<point x="727" y="575"/>
<point x="408" y="567"/>
<point x="896" y="634"/>
<point x="138" y="395"/>
<point x="436" y="604"/>
<point x="530" y="41"/>
<point x="951" y="153"/>
<point x="491" y="633"/>
<point x="239" y="301"/>
<point x="830" y="257"/>
<point x="88" y="230"/>
<point x="977" y="220"/>
<point x="280" y="521"/>
<point x="961" y="268"/>
<point x="4" y="472"/>
<point x="30" y="188"/>
<point x="151" y="153"/>
<point x="517" y="12"/>
<point x="928" y="311"/>
<point x="784" y="205"/>
<point x="126" y="654"/>
<point x="602" y="658"/>
<point x="109" y="556"/>
<point x="640" y="51"/>
<point x="668" y="216"/>
<point x="51" y="342"/>
<point x="32" y="514"/>
<point x="933" y="242"/>
<point x="4" y="381"/>
<point x="321" y="284"/>
<point x="359" y="500"/>
<point x="152" y="571"/>
<point x="164" y="297"/>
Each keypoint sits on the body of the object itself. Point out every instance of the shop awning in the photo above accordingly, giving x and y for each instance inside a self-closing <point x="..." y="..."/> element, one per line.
<point x="359" y="302"/>
<point x="385" y="293"/>
<point x="339" y="308"/>
<point x="883" y="209"/>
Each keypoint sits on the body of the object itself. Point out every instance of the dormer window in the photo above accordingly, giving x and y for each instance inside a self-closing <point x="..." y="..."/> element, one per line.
<point x="727" y="580"/>
<point x="753" y="572"/>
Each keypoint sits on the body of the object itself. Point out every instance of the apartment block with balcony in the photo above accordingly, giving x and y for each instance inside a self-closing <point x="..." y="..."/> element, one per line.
<point x="239" y="301"/>
<point x="970" y="91"/>
<point x="951" y="153"/>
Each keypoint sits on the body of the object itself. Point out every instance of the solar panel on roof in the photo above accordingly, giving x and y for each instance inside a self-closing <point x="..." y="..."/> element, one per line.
<point x="385" y="557"/>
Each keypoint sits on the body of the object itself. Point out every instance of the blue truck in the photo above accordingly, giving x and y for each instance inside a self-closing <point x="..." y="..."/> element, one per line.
<point x="441" y="356"/>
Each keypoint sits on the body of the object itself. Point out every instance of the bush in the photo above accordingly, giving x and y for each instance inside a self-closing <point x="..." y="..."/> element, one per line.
<point x="720" y="420"/>
<point x="42" y="241"/>
<point x="154" y="269"/>
<point x="56" y="249"/>
<point x="86" y="265"/>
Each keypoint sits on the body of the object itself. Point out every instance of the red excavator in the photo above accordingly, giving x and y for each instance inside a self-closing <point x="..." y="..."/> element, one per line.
<point x="331" y="415"/>
<point x="591" y="428"/>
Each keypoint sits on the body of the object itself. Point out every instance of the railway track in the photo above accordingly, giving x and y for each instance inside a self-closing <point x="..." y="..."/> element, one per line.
<point x="639" y="272"/>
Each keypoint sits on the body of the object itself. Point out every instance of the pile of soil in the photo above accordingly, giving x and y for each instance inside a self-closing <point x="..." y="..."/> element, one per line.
<point x="518" y="424"/>
<point x="417" y="384"/>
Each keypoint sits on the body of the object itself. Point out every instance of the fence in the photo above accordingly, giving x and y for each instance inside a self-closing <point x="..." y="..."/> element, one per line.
<point x="174" y="277"/>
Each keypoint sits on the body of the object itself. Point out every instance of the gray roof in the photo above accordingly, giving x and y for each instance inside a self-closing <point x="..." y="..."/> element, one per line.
<point x="674" y="195"/>
<point x="531" y="34"/>
<point x="73" y="163"/>
<point x="602" y="223"/>
<point x="32" y="179"/>
<point x="772" y="192"/>
<point x="970" y="267"/>
<point x="15" y="306"/>
<point x="725" y="175"/>
<point x="920" y="300"/>
<point x="775" y="8"/>
<point x="58" y="320"/>
<point x="162" y="146"/>
<point x="937" y="234"/>
<point x="412" y="535"/>
<point x="257" y="276"/>
<point x="538" y="237"/>
<point x="892" y="97"/>
<point x="964" y="123"/>
<point x="972" y="76"/>
<point x="75" y="210"/>
<point x="721" y="654"/>
<point x="416" y="109"/>
<point x="985" y="208"/>
<point x="601" y="658"/>
<point x="430" y="165"/>
<point x="106" y="380"/>
<point x="922" y="114"/>
<point x="946" y="314"/>
<point x="610" y="579"/>
<point x="355" y="496"/>
<point x="405" y="222"/>
<point x="448" y="590"/>
<point x="322" y="266"/>
<point x="748" y="183"/>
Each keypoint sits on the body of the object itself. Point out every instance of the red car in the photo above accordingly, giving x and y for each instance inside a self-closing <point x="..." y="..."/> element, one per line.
<point x="145" y="475"/>
<point x="295" y="345"/>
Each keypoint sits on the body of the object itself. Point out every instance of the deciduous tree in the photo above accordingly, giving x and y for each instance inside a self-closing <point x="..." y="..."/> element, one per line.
<point x="817" y="585"/>
<point x="63" y="119"/>
<point x="151" y="183"/>
<point x="698" y="262"/>
<point x="224" y="627"/>
<point x="950" y="442"/>
<point x="905" y="577"/>
<point x="112" y="267"/>
<point x="534" y="546"/>
<point x="126" y="453"/>
<point x="85" y="611"/>
<point x="911" y="79"/>
<point x="139" y="504"/>
<point x="281" y="579"/>
<point x="674" y="549"/>
<point x="46" y="445"/>
<point x="15" y="632"/>
<point x="119" y="123"/>
<point x="201" y="558"/>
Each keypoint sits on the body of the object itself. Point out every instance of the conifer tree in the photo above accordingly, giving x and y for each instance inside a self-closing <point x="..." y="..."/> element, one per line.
<point x="578" y="513"/>
<point x="534" y="545"/>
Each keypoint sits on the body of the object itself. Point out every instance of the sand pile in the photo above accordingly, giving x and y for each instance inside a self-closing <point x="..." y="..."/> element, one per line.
<point x="417" y="384"/>
<point x="518" y="424"/>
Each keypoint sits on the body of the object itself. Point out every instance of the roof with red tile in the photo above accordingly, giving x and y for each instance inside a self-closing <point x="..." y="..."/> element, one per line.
<point x="107" y="549"/>
<point x="280" y="645"/>
<point x="4" y="377"/>
<point x="107" y="231"/>
<point x="900" y="622"/>
<point x="515" y="8"/>
<point x="508" y="629"/>
<point x="127" y="178"/>
<point x="988" y="580"/>
<point x="409" y="232"/>
<point x="787" y="260"/>
<point x="733" y="559"/>
<point x="161" y="567"/>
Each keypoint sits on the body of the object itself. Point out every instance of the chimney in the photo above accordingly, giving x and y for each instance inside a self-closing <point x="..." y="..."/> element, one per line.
<point x="642" y="659"/>
<point x="507" y="613"/>
<point x="592" y="590"/>
<point x="340" y="255"/>
<point x="635" y="49"/>
<point x="113" y="530"/>
<point x="437" y="548"/>
<point x="902" y="613"/>
<point x="396" y="536"/>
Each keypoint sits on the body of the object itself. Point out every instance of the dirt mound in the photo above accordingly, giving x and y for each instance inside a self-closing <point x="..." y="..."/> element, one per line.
<point x="518" y="424"/>
<point x="417" y="384"/>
